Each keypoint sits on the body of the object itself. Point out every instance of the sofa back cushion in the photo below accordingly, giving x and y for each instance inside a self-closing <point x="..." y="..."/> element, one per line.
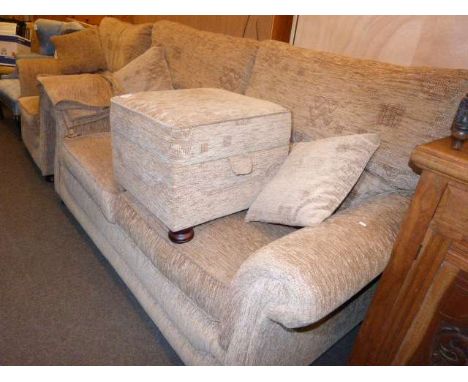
<point x="199" y="59"/>
<point x="331" y="95"/>
<point x="80" y="52"/>
<point x="122" y="42"/>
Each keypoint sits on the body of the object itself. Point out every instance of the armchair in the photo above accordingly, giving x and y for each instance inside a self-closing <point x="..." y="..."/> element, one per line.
<point x="41" y="48"/>
<point x="107" y="51"/>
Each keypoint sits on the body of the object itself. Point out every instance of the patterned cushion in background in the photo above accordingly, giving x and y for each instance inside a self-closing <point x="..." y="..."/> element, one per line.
<point x="80" y="52"/>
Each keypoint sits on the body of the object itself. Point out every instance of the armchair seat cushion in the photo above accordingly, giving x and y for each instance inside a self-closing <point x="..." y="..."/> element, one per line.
<point x="9" y="94"/>
<point x="89" y="160"/>
<point x="204" y="267"/>
<point x="30" y="105"/>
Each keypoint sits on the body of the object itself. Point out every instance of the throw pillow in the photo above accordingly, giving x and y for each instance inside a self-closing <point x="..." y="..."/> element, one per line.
<point x="145" y="73"/>
<point x="314" y="180"/>
<point x="80" y="52"/>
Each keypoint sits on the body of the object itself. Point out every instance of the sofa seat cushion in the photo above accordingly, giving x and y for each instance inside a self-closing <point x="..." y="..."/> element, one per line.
<point x="204" y="267"/>
<point x="89" y="160"/>
<point x="9" y="94"/>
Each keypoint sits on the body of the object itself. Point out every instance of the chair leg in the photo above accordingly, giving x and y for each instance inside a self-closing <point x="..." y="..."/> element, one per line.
<point x="49" y="178"/>
<point x="17" y="119"/>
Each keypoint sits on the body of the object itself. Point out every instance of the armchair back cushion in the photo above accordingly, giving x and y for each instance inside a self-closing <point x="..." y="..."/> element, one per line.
<point x="80" y="52"/>
<point x="332" y="95"/>
<point x="46" y="28"/>
<point x="122" y="42"/>
<point x="30" y="69"/>
<point x="199" y="59"/>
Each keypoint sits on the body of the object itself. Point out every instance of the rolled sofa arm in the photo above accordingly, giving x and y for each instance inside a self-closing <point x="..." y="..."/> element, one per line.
<point x="298" y="280"/>
<point x="80" y="90"/>
<point x="30" y="69"/>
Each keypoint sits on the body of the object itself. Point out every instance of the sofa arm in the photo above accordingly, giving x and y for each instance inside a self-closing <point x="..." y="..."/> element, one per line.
<point x="79" y="90"/>
<point x="30" y="69"/>
<point x="299" y="279"/>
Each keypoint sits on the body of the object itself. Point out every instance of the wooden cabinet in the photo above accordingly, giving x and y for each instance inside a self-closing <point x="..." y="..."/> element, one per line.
<point x="419" y="315"/>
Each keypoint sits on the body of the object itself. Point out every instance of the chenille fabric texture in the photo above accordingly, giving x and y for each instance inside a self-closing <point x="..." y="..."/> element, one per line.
<point x="205" y="60"/>
<point x="122" y="42"/>
<point x="80" y="52"/>
<point x="247" y="292"/>
<point x="330" y="95"/>
<point x="145" y="73"/>
<point x="193" y="155"/>
<point x="314" y="180"/>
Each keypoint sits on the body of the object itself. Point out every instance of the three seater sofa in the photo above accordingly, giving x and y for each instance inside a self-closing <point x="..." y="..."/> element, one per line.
<point x="256" y="293"/>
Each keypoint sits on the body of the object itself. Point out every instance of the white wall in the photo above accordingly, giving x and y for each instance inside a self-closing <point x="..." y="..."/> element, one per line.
<point x="407" y="40"/>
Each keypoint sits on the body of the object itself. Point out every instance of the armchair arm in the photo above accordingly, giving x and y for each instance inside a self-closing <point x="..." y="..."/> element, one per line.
<point x="87" y="90"/>
<point x="30" y="69"/>
<point x="301" y="278"/>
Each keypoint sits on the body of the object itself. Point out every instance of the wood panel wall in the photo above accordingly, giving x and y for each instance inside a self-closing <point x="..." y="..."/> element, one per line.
<point x="407" y="40"/>
<point x="256" y="27"/>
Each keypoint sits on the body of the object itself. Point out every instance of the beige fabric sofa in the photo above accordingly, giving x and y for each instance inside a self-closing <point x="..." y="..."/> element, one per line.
<point x="119" y="43"/>
<point x="256" y="293"/>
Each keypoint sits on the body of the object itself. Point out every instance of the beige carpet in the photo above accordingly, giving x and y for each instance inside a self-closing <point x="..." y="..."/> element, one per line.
<point x="61" y="303"/>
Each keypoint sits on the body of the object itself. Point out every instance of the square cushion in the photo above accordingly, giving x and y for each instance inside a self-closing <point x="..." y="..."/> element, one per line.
<point x="80" y="52"/>
<point x="46" y="28"/>
<point x="122" y="42"/>
<point x="314" y="180"/>
<point x="89" y="159"/>
<point x="330" y="95"/>
<point x="192" y="155"/>
<point x="205" y="60"/>
<point x="145" y="73"/>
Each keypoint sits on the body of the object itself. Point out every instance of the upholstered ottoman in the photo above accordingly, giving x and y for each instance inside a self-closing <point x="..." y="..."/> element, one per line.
<point x="194" y="155"/>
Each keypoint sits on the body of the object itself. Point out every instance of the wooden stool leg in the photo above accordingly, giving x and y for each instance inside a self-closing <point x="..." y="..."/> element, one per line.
<point x="182" y="236"/>
<point x="49" y="178"/>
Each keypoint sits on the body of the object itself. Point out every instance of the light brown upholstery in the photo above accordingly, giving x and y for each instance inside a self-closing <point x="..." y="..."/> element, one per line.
<point x="88" y="96"/>
<point x="252" y="293"/>
<point x="123" y="42"/>
<point x="205" y="60"/>
<point x="330" y="94"/>
<point x="80" y="52"/>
